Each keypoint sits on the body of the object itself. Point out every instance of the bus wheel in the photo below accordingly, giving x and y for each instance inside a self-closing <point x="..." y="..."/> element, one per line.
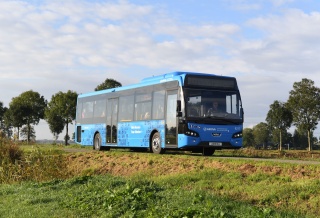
<point x="208" y="151"/>
<point x="97" y="142"/>
<point x="156" y="144"/>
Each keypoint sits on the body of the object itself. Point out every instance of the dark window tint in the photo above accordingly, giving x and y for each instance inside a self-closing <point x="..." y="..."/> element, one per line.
<point x="126" y="108"/>
<point x="158" y="105"/>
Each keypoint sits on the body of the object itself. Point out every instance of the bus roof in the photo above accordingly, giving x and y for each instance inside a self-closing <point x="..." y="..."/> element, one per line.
<point x="173" y="76"/>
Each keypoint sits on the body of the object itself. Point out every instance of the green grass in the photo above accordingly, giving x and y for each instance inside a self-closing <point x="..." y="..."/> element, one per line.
<point x="284" y="154"/>
<point x="108" y="196"/>
<point x="34" y="184"/>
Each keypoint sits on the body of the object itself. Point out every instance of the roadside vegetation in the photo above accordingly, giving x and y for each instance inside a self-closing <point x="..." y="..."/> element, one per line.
<point x="55" y="181"/>
<point x="34" y="164"/>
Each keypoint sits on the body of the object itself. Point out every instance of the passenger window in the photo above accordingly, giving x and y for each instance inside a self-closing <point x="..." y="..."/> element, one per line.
<point x="126" y="108"/>
<point x="143" y="107"/>
<point x="158" y="105"/>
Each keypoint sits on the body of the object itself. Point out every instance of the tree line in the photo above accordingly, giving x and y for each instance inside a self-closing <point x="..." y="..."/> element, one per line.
<point x="302" y="110"/>
<point x="26" y="110"/>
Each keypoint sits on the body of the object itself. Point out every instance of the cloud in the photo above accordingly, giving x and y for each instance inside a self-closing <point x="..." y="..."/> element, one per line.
<point x="290" y="43"/>
<point x="43" y="38"/>
<point x="54" y="46"/>
<point x="279" y="3"/>
<point x="256" y="5"/>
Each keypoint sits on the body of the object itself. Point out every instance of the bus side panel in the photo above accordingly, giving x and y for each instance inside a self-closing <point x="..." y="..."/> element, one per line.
<point x="137" y="134"/>
<point x="88" y="131"/>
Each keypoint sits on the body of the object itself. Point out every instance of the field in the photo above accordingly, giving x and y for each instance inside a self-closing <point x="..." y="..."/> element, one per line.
<point x="58" y="181"/>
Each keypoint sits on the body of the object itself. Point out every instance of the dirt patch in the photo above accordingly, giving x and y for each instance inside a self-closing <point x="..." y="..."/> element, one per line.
<point x="129" y="164"/>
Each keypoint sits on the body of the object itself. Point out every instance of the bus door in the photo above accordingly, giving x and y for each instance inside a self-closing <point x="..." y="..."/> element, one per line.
<point x="112" y="120"/>
<point x="171" y="119"/>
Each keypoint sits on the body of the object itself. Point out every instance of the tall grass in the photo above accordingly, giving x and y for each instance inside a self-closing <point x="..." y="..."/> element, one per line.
<point x="36" y="165"/>
<point x="9" y="151"/>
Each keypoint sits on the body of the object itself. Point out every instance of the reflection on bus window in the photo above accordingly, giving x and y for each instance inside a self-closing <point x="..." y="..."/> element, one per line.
<point x="126" y="108"/>
<point x="204" y="103"/>
<point x="99" y="108"/>
<point x="158" y="105"/>
<point x="194" y="106"/>
<point x="142" y="106"/>
<point x="87" y="110"/>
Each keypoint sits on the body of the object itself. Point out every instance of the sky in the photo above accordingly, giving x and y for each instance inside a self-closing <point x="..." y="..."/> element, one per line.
<point x="60" y="45"/>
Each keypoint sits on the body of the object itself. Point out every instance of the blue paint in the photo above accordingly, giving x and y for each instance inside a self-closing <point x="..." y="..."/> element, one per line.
<point x="211" y="133"/>
<point x="138" y="134"/>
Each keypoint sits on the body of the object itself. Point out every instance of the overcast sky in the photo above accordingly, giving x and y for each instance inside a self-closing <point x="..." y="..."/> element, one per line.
<point x="51" y="46"/>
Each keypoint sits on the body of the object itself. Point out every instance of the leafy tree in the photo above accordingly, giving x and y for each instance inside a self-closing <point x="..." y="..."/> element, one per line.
<point x="248" y="138"/>
<point x="286" y="138"/>
<point x="300" y="139"/>
<point x="7" y="119"/>
<point x="2" y="112"/>
<point x="261" y="134"/>
<point x="304" y="102"/>
<point x="61" y="111"/>
<point x="55" y="121"/>
<point x="27" y="109"/>
<point x="108" y="84"/>
<point x="28" y="133"/>
<point x="279" y="118"/>
<point x="13" y="117"/>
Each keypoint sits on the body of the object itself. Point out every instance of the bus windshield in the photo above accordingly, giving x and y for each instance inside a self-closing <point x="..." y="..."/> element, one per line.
<point x="213" y="104"/>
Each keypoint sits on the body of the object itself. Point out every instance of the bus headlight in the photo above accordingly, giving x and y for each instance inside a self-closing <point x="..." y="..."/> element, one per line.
<point x="237" y="135"/>
<point x="191" y="133"/>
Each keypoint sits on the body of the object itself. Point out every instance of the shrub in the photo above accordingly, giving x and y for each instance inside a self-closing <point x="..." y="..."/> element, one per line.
<point x="37" y="165"/>
<point x="9" y="151"/>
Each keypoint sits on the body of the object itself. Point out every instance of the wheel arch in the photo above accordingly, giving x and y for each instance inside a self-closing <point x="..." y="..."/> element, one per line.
<point x="154" y="131"/>
<point x="94" y="136"/>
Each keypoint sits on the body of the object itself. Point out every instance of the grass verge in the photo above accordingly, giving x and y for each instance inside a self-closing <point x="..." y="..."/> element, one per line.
<point x="128" y="184"/>
<point x="109" y="196"/>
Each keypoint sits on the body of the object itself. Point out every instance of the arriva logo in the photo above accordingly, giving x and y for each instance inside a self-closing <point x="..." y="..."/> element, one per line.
<point x="209" y="129"/>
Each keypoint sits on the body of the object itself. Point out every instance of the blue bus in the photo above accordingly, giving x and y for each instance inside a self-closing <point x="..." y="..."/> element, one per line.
<point x="184" y="111"/>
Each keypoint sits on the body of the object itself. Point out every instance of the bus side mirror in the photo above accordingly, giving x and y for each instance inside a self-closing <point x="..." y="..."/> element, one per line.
<point x="179" y="113"/>
<point x="242" y="113"/>
<point x="178" y="105"/>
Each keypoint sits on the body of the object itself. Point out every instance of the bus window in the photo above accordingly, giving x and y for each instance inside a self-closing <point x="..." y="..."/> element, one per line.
<point x="143" y="110"/>
<point x="143" y="106"/>
<point x="112" y="120"/>
<point x="87" y="110"/>
<point x="231" y="103"/>
<point x="79" y="112"/>
<point x="171" y="120"/>
<point x="158" y="105"/>
<point x="99" y="108"/>
<point x="193" y="106"/>
<point x="126" y="108"/>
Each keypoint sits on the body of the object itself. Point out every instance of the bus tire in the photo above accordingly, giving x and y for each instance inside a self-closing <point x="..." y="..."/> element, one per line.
<point x="97" y="142"/>
<point x="208" y="151"/>
<point x="156" y="144"/>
